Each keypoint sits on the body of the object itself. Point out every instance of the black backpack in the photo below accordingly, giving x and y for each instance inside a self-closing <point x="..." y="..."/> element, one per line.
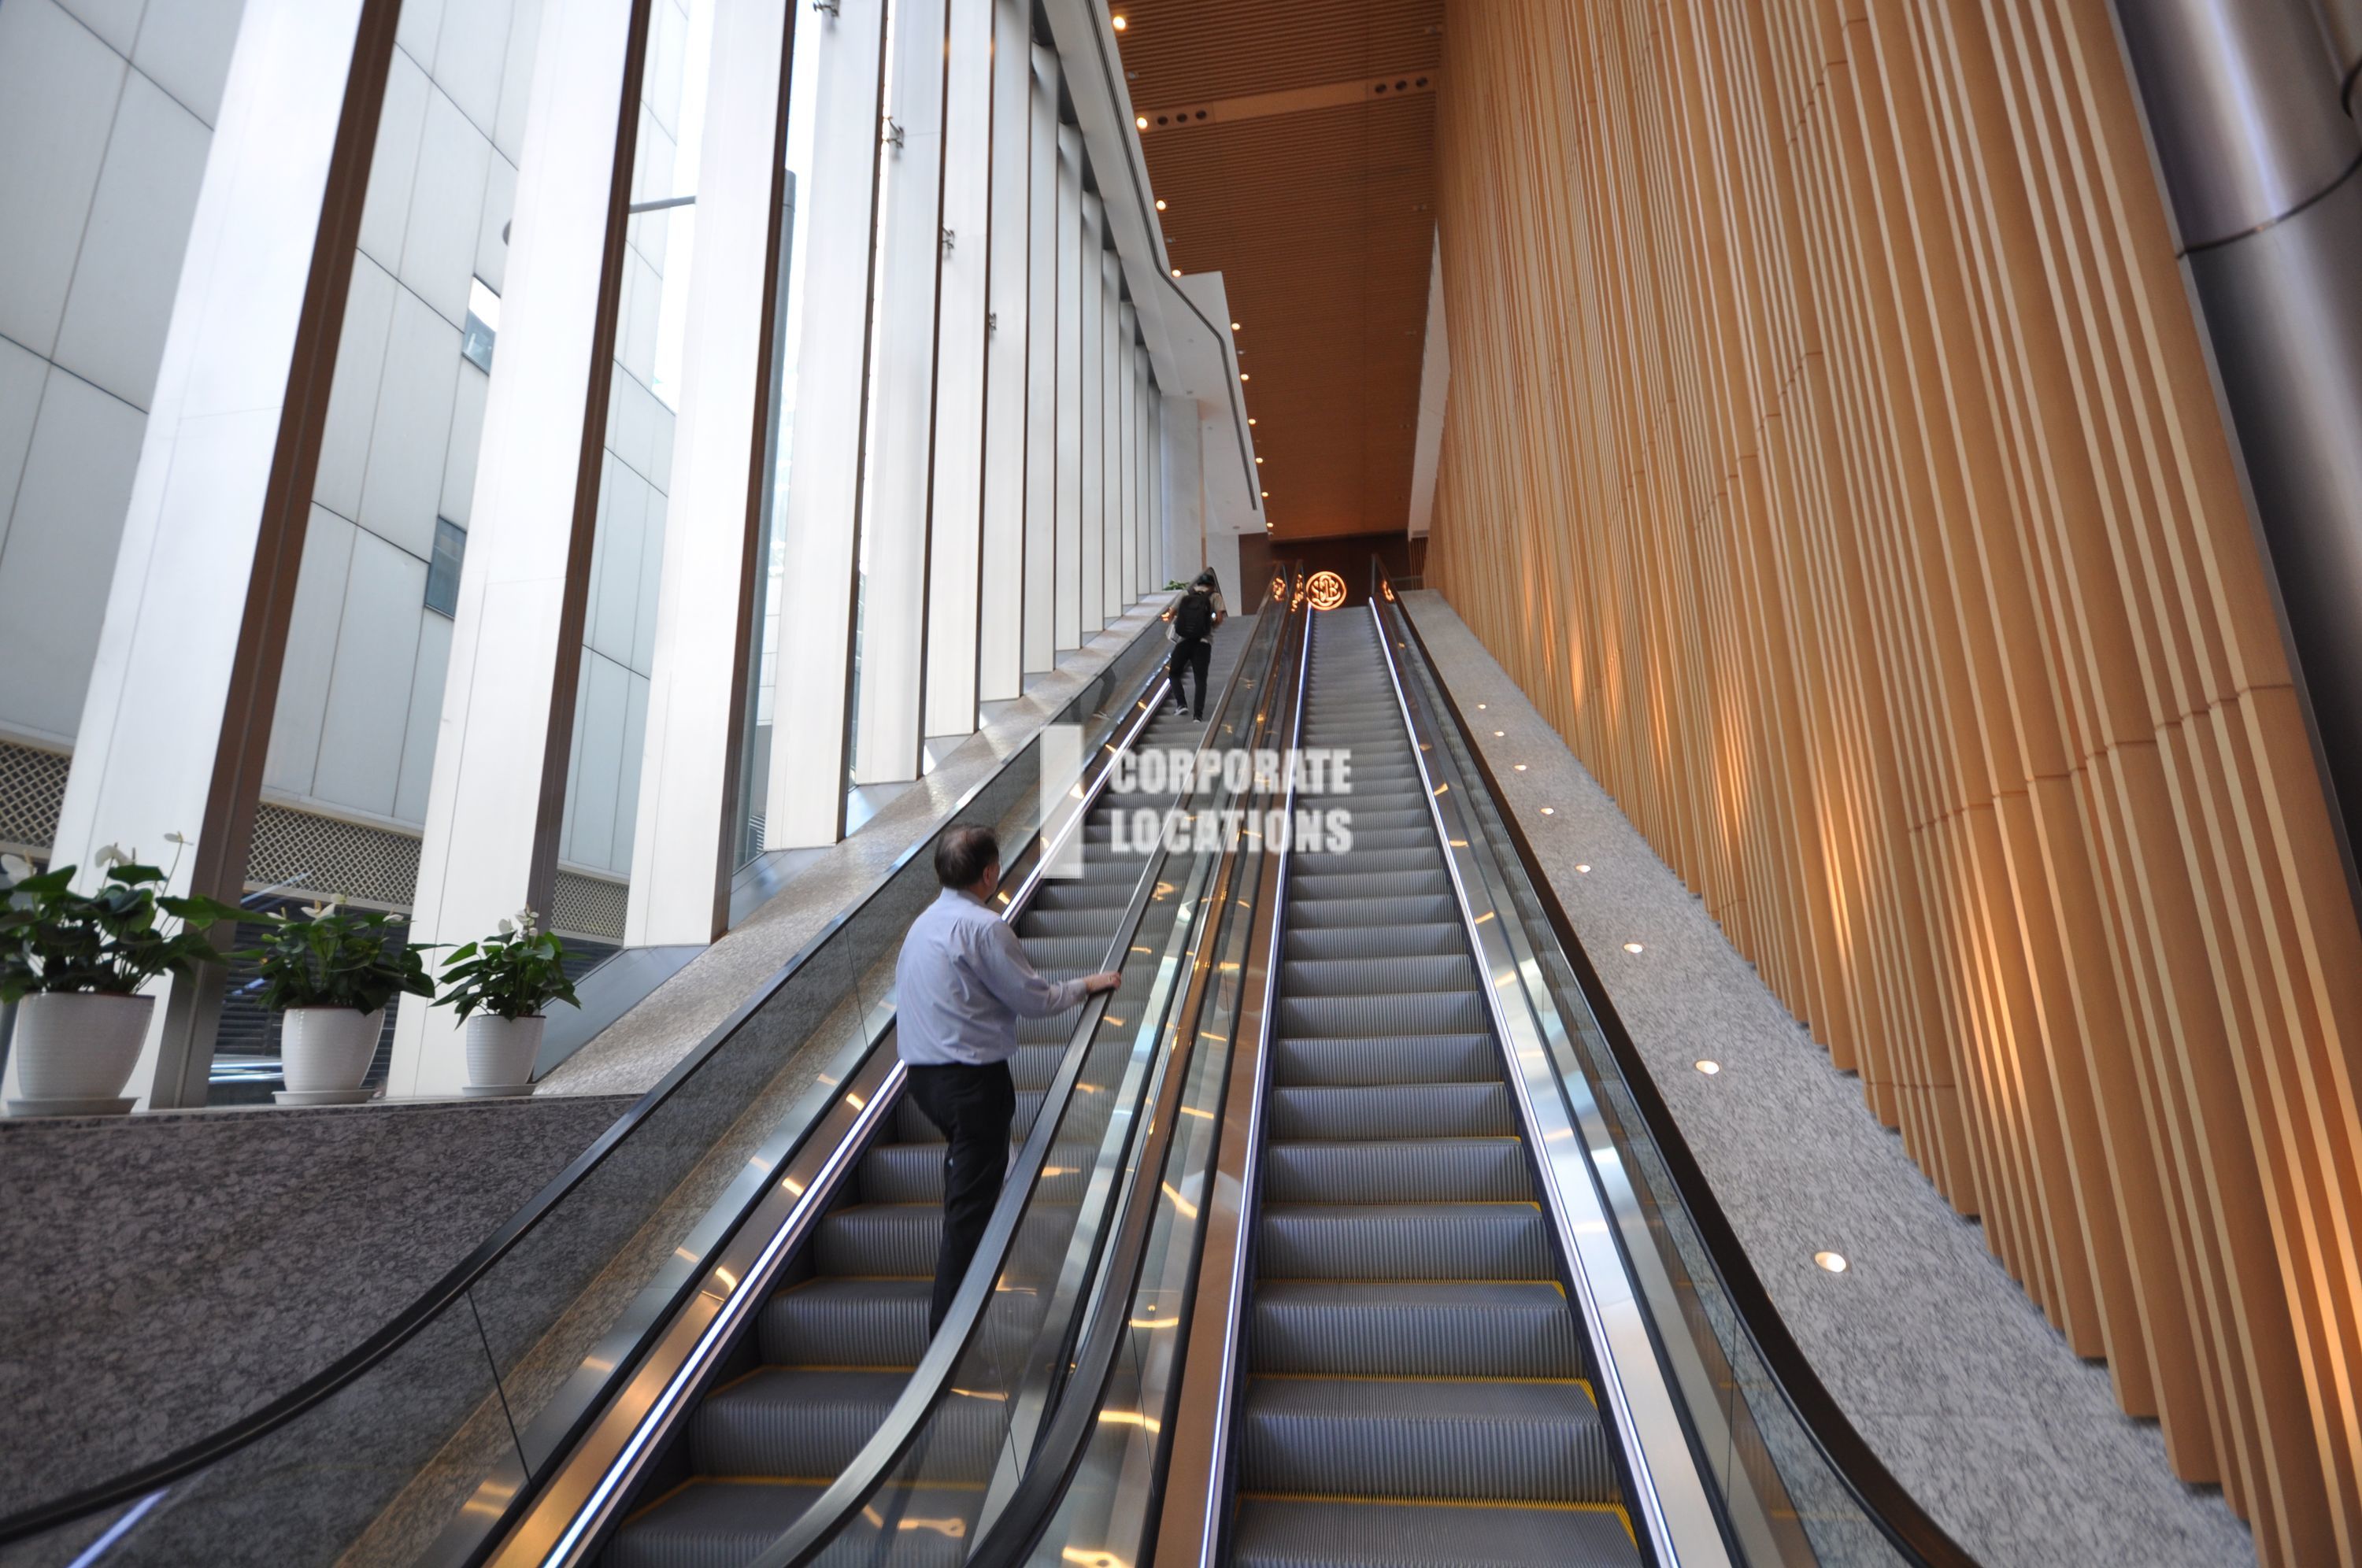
<point x="1195" y="617"/>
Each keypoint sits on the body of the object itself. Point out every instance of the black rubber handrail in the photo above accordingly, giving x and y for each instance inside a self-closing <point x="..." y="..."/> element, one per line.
<point x="818" y="1528"/>
<point x="399" y="1329"/>
<point x="1889" y="1505"/>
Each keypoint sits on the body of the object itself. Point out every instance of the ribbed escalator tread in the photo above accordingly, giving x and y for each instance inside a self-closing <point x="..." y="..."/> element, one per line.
<point x="1463" y="1440"/>
<point x="1337" y="1328"/>
<point x="834" y="1320"/>
<point x="1291" y="1532"/>
<point x="1413" y="1391"/>
<point x="1400" y="1170"/>
<point x="1403" y="1241"/>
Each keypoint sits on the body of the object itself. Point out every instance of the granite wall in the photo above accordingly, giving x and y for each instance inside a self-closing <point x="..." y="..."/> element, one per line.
<point x="167" y="1274"/>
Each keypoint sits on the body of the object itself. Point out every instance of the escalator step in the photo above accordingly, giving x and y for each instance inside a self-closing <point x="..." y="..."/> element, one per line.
<point x="891" y="1239"/>
<point x="1377" y="886"/>
<point x="1408" y="1241"/>
<point x="833" y="1322"/>
<point x="1377" y="941"/>
<point x="1357" y="977"/>
<point x="792" y="1421"/>
<point x="1274" y="1533"/>
<point x="1445" y="1329"/>
<point x="1407" y="1170"/>
<point x="1362" y="1111"/>
<point x="1386" y="1059"/>
<point x="1396" y="1013"/>
<point x="1428" y="1437"/>
<point x="1424" y="909"/>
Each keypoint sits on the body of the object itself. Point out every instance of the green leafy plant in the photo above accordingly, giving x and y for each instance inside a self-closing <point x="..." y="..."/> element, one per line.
<point x="329" y="955"/>
<point x="513" y="974"/>
<point x="112" y="940"/>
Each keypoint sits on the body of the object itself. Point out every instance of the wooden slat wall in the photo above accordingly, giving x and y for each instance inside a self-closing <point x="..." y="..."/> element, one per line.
<point x="1831" y="455"/>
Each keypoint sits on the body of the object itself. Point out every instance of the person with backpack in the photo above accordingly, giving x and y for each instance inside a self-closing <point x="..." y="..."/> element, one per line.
<point x="1195" y="616"/>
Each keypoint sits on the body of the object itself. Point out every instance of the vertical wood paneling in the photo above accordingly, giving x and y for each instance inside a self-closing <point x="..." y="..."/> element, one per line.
<point x="1831" y="454"/>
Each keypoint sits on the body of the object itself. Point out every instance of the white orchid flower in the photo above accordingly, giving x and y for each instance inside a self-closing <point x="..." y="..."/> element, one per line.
<point x="16" y="868"/>
<point x="111" y="855"/>
<point x="507" y="928"/>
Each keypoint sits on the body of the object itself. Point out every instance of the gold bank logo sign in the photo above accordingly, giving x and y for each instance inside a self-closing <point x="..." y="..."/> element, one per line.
<point x="1148" y="799"/>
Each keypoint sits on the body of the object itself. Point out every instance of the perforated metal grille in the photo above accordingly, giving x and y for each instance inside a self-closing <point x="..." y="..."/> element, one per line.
<point x="297" y="851"/>
<point x="32" y="787"/>
<point x="589" y="906"/>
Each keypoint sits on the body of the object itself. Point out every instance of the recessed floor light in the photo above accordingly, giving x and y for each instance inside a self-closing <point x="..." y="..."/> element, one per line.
<point x="1498" y="733"/>
<point x="1708" y="1067"/>
<point x="1160" y="204"/>
<point x="1633" y="947"/>
<point x="1521" y="767"/>
<point x="1550" y="811"/>
<point x="1140" y="120"/>
<point x="1480" y="707"/>
<point x="1833" y="1262"/>
<point x="1583" y="867"/>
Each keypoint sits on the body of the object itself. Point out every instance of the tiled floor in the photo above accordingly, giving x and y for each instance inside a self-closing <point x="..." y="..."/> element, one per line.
<point x="2014" y="1445"/>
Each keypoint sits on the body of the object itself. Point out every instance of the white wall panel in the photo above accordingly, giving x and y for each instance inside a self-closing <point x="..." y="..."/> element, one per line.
<point x="130" y="258"/>
<point x="185" y="45"/>
<point x="394" y="161"/>
<point x="955" y="536"/>
<point x="419" y="724"/>
<point x="1091" y="559"/>
<point x="59" y="85"/>
<point x="688" y="631"/>
<point x="484" y="801"/>
<point x="352" y="399"/>
<point x="500" y="201"/>
<point x="21" y="375"/>
<point x="598" y="771"/>
<point x="1068" y="563"/>
<point x="902" y="411"/>
<point x="116" y="21"/>
<point x="1122" y="511"/>
<point x="302" y="705"/>
<point x="69" y="513"/>
<point x="1045" y="238"/>
<point x="1000" y="589"/>
<point x="623" y="535"/>
<point x="421" y="24"/>
<point x="807" y="789"/>
<point x="465" y="441"/>
<point x="447" y="204"/>
<point x="469" y="57"/>
<point x="516" y="79"/>
<point x="368" y="694"/>
<point x="413" y="425"/>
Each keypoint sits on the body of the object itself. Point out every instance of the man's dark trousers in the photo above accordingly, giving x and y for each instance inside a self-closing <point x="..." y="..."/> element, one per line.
<point x="1191" y="654"/>
<point x="974" y="1106"/>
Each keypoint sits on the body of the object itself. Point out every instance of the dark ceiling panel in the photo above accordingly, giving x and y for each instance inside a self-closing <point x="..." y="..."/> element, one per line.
<point x="1321" y="223"/>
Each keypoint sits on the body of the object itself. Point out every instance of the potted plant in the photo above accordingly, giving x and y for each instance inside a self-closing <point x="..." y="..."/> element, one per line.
<point x="329" y="972"/>
<point x="500" y="985"/>
<point x="74" y="964"/>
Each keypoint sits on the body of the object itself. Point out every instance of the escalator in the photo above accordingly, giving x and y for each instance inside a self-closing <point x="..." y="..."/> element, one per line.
<point x="1411" y="1274"/>
<point x="837" y="1341"/>
<point x="1416" y="1385"/>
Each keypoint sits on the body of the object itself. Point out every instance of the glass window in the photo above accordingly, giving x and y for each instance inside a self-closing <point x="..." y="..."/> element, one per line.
<point x="443" y="569"/>
<point x="483" y="326"/>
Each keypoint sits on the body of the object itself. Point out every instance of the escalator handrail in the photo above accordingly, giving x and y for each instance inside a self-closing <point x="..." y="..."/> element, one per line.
<point x="818" y="1526"/>
<point x="397" y="1331"/>
<point x="1889" y="1506"/>
<point x="1011" y="1536"/>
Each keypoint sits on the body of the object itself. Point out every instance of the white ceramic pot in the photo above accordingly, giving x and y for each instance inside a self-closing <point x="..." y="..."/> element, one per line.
<point x="501" y="1053"/>
<point x="327" y="1050"/>
<point x="78" y="1046"/>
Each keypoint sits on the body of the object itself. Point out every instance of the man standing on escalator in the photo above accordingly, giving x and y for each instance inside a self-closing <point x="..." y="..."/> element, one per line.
<point x="962" y="983"/>
<point x="1195" y="615"/>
